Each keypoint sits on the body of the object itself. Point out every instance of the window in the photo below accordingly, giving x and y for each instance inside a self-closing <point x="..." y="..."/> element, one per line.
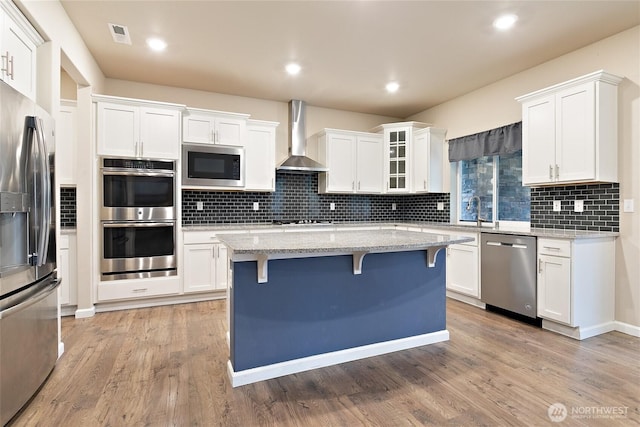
<point x="497" y="182"/>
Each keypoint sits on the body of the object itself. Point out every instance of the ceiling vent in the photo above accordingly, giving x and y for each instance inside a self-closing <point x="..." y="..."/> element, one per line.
<point x="120" y="34"/>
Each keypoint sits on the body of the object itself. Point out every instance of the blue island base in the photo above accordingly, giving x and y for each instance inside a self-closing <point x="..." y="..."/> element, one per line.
<point x="315" y="312"/>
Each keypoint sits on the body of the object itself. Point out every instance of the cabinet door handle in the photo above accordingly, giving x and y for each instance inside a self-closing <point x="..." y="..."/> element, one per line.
<point x="141" y="148"/>
<point x="425" y="184"/>
<point x="557" y="172"/>
<point x="5" y="63"/>
<point x="539" y="265"/>
<point x="550" y="172"/>
<point x="8" y="68"/>
<point x="358" y="185"/>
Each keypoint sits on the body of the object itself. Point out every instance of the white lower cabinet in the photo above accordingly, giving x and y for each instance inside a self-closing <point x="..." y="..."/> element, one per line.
<point x="206" y="264"/>
<point x="463" y="264"/>
<point x="205" y="267"/>
<point x="554" y="288"/>
<point x="462" y="269"/>
<point x="576" y="286"/>
<point x="67" y="269"/>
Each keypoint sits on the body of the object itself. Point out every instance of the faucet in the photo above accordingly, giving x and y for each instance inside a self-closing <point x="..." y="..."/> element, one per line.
<point x="471" y="199"/>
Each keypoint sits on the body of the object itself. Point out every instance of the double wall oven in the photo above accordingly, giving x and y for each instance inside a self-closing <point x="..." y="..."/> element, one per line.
<point x="138" y="219"/>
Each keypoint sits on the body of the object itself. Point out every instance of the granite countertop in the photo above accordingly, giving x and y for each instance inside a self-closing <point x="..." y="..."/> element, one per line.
<point x="537" y="232"/>
<point x="344" y="241"/>
<point x="448" y="227"/>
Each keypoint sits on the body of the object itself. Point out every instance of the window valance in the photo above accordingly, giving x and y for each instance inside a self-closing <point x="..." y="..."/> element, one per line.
<point x="503" y="140"/>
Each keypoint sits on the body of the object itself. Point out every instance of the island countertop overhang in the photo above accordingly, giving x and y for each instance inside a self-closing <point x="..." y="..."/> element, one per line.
<point x="331" y="242"/>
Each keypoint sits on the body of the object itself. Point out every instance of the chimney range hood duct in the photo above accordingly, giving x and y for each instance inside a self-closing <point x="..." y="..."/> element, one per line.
<point x="298" y="162"/>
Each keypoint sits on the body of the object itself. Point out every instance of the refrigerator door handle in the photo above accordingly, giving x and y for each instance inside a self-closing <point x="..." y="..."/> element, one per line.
<point x="45" y="182"/>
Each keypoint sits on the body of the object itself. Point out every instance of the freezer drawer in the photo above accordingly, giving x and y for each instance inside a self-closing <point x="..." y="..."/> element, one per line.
<point x="28" y="344"/>
<point x="508" y="272"/>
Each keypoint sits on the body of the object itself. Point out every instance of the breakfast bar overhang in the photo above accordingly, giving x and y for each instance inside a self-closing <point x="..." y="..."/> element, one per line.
<point x="305" y="300"/>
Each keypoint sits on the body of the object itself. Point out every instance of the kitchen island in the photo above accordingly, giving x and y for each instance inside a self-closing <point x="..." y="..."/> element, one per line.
<point x="304" y="300"/>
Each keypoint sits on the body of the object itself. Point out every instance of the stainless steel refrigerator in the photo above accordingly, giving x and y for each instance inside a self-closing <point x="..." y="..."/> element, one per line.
<point x="28" y="280"/>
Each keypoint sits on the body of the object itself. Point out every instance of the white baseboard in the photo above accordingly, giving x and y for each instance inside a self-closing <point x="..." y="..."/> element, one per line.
<point x="592" y="331"/>
<point x="262" y="373"/>
<point x="85" y="312"/>
<point x="578" y="333"/>
<point x="628" y="329"/>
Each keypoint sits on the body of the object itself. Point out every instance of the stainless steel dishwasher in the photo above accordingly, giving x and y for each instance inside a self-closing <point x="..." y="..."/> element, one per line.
<point x="508" y="272"/>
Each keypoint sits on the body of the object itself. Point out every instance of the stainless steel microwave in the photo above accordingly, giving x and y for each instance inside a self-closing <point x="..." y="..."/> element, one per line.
<point x="212" y="165"/>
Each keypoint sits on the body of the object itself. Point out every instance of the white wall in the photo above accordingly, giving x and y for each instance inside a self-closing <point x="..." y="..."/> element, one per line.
<point x="494" y="106"/>
<point x="68" y="87"/>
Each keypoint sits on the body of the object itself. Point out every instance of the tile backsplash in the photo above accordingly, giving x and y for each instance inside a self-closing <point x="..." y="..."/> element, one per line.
<point x="67" y="207"/>
<point x="601" y="207"/>
<point x="296" y="197"/>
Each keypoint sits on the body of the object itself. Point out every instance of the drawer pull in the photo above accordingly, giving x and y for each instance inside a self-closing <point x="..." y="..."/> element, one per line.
<point x="551" y="248"/>
<point x="140" y="290"/>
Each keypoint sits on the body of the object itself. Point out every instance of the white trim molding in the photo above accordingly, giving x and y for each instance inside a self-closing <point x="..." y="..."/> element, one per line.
<point x="627" y="328"/>
<point x="262" y="373"/>
<point x="85" y="312"/>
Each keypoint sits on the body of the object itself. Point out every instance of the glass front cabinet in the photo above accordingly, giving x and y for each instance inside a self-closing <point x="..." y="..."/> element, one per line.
<point x="398" y="144"/>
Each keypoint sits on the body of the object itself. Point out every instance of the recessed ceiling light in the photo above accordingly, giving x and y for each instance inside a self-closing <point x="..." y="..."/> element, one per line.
<point x="505" y="22"/>
<point x="156" y="44"/>
<point x="293" y="68"/>
<point x="392" y="87"/>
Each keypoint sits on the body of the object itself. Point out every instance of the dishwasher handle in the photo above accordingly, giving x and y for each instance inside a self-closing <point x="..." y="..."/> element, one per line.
<point x="511" y="245"/>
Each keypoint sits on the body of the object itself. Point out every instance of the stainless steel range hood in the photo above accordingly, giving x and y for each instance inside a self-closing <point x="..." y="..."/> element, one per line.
<point x="297" y="161"/>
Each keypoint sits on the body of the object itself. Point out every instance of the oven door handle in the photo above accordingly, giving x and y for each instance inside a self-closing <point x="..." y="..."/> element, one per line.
<point x="131" y="224"/>
<point x="130" y="172"/>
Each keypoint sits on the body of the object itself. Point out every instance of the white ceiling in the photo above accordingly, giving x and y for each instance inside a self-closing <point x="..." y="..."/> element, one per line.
<point x="348" y="50"/>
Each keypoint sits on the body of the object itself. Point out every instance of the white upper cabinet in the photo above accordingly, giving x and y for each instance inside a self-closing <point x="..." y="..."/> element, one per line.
<point x="132" y="128"/>
<point x="66" y="141"/>
<point x="354" y="160"/>
<point x="369" y="178"/>
<point x="260" y="154"/>
<point x="214" y="127"/>
<point x="570" y="132"/>
<point x="428" y="162"/>
<point x="414" y="159"/>
<point x="18" y="43"/>
<point x="397" y="152"/>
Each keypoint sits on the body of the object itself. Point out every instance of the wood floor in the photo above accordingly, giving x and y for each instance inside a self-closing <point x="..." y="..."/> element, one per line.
<point x="166" y="366"/>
